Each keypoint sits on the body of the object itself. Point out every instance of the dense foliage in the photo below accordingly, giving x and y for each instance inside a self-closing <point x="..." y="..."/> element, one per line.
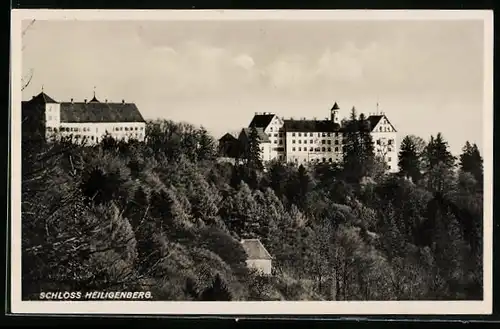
<point x="164" y="215"/>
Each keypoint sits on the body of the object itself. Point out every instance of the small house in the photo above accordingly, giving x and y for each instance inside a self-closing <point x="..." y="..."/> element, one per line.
<point x="258" y="257"/>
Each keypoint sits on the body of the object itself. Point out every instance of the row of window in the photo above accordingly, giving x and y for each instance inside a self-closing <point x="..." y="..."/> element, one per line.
<point x="389" y="142"/>
<point x="86" y="129"/>
<point x="317" y="149"/>
<point x="323" y="141"/>
<point x="319" y="134"/>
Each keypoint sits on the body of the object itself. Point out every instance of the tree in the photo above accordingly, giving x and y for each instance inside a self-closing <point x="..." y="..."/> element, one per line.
<point x="253" y="156"/>
<point x="206" y="145"/>
<point x="439" y="164"/>
<point x="352" y="149"/>
<point x="471" y="161"/>
<point x="409" y="159"/>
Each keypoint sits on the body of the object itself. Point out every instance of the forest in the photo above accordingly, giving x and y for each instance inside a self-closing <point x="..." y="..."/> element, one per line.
<point x="166" y="216"/>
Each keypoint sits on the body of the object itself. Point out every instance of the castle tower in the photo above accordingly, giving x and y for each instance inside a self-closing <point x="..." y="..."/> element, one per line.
<point x="334" y="113"/>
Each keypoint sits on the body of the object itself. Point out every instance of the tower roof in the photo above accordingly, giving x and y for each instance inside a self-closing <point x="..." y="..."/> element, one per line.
<point x="43" y="98"/>
<point x="335" y="106"/>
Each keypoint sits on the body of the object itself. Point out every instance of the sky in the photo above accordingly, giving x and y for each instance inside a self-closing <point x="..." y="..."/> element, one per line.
<point x="427" y="76"/>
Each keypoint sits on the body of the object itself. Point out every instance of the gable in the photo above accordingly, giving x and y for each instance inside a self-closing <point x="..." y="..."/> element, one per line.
<point x="261" y="120"/>
<point x="380" y="123"/>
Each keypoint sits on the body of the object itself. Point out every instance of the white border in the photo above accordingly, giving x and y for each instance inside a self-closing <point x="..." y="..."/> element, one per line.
<point x="248" y="308"/>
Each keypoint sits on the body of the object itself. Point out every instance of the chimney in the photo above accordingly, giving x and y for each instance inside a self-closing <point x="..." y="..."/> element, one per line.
<point x="123" y="101"/>
<point x="106" y="100"/>
<point x="85" y="100"/>
<point x="72" y="100"/>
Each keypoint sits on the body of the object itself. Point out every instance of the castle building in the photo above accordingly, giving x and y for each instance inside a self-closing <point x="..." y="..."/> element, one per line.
<point x="87" y="121"/>
<point x="311" y="141"/>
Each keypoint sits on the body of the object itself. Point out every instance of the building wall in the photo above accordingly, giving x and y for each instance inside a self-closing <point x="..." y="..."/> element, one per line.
<point x="94" y="132"/>
<point x="386" y="146"/>
<point x="262" y="265"/>
<point x="305" y="147"/>
<point x="277" y="138"/>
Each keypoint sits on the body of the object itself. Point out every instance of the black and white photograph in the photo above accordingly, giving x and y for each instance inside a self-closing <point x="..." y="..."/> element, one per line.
<point x="251" y="156"/>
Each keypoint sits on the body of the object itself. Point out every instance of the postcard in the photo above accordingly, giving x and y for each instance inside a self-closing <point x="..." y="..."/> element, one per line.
<point x="243" y="162"/>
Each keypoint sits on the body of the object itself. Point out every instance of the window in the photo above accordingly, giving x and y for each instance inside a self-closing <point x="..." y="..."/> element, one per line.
<point x="378" y="141"/>
<point x="293" y="148"/>
<point x="389" y="159"/>
<point x="142" y="128"/>
<point x="336" y="149"/>
<point x="281" y="142"/>
<point x="336" y="142"/>
<point x="300" y="141"/>
<point x="92" y="137"/>
<point x="305" y="141"/>
<point x="271" y="129"/>
<point x="293" y="134"/>
<point x="280" y="157"/>
<point x="300" y="134"/>
<point x="126" y="128"/>
<point x="293" y="141"/>
<point x="391" y="141"/>
<point x="275" y="135"/>
<point x="328" y="134"/>
<point x="311" y="134"/>
<point x="300" y="148"/>
<point x="322" y="149"/>
<point x="322" y="141"/>
<point x="329" y="149"/>
<point x="389" y="167"/>
<point x="329" y="142"/>
<point x="311" y="149"/>
<point x="311" y="141"/>
<point x="275" y="142"/>
<point x="336" y="134"/>
<point x="330" y="160"/>
<point x="323" y="134"/>
<point x="324" y="159"/>
<point x="135" y="128"/>
<point x="380" y="129"/>
<point x="389" y="149"/>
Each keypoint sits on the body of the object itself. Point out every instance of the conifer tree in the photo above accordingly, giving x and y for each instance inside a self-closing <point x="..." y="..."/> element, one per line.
<point x="471" y="161"/>
<point x="206" y="145"/>
<point x="409" y="159"/>
<point x="254" y="153"/>
<point x="352" y="149"/>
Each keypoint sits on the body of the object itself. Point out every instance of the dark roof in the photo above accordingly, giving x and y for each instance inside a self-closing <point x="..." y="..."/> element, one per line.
<point x="374" y="120"/>
<point x="262" y="135"/>
<point x="94" y="100"/>
<point x="311" y="126"/>
<point x="255" y="249"/>
<point x="228" y="137"/>
<point x="335" y="106"/>
<point x="42" y="98"/>
<point x="261" y="120"/>
<point x="100" y="112"/>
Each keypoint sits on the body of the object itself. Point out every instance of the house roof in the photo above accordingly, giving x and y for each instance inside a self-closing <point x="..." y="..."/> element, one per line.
<point x="255" y="249"/>
<point x="260" y="131"/>
<point x="100" y="112"/>
<point x="228" y="137"/>
<point x="311" y="126"/>
<point x="261" y="120"/>
<point x="375" y="119"/>
<point x="42" y="98"/>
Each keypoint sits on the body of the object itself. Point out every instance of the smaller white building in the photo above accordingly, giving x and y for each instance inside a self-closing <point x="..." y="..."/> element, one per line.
<point x="258" y="257"/>
<point x="264" y="143"/>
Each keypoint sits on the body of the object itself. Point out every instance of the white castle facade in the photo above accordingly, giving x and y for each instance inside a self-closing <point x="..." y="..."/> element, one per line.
<point x="84" y="121"/>
<point x="308" y="141"/>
